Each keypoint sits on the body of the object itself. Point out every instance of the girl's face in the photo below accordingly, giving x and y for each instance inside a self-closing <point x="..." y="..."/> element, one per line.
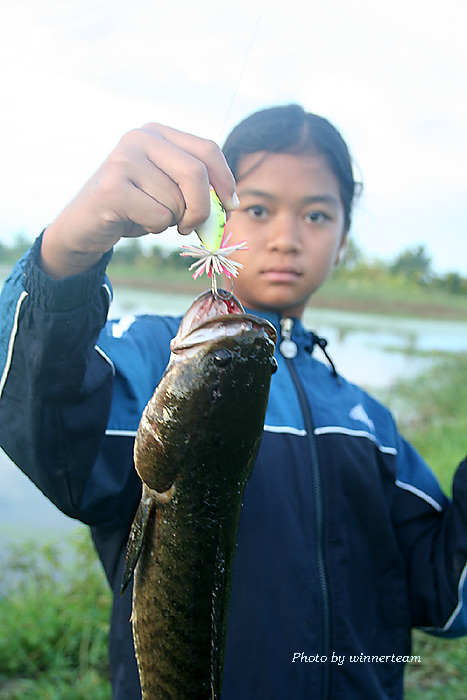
<point x="292" y="217"/>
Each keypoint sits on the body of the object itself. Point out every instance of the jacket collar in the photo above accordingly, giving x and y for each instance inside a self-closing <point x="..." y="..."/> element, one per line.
<point x="305" y="340"/>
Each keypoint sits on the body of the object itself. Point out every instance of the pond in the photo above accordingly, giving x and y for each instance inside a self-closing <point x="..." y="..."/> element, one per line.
<point x="369" y="350"/>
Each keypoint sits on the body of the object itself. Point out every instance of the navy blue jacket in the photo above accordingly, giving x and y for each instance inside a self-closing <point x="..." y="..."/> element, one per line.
<point x="346" y="541"/>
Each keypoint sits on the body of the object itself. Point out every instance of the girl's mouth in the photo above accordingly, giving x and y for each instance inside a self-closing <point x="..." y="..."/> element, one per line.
<point x="284" y="275"/>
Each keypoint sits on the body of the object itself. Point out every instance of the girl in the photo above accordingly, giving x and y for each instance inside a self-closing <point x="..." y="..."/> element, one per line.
<point x="346" y="540"/>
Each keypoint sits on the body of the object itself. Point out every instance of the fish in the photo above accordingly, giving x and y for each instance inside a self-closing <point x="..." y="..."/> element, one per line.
<point x="194" y="451"/>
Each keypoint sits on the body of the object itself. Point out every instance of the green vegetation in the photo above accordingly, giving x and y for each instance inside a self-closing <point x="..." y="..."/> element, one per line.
<point x="54" y="621"/>
<point x="10" y="252"/>
<point x="432" y="412"/>
<point x="405" y="286"/>
<point x="441" y="675"/>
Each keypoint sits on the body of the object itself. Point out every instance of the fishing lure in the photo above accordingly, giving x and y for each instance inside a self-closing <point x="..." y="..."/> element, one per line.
<point x="214" y="251"/>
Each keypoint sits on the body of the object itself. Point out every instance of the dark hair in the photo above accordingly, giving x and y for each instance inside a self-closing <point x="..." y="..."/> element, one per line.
<point x="289" y="129"/>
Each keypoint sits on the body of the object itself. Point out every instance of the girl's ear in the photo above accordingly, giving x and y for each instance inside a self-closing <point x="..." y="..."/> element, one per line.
<point x="341" y="249"/>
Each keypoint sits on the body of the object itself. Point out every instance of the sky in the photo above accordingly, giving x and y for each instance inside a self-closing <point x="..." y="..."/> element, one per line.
<point x="391" y="76"/>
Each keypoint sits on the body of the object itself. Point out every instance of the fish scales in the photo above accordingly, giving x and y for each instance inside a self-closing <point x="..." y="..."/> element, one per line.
<point x="194" y="451"/>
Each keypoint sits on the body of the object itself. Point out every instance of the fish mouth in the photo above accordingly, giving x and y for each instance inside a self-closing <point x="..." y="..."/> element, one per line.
<point x="221" y="326"/>
<point x="212" y="317"/>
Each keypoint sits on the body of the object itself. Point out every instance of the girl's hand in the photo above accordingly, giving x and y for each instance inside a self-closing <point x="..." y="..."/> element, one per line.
<point x="156" y="177"/>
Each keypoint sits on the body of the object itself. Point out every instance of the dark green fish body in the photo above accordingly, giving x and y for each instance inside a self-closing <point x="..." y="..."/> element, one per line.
<point x="194" y="451"/>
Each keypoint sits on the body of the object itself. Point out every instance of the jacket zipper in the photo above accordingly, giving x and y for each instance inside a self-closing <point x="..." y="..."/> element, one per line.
<point x="286" y="332"/>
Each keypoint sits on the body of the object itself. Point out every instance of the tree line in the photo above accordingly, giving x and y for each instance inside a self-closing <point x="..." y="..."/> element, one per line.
<point x="412" y="265"/>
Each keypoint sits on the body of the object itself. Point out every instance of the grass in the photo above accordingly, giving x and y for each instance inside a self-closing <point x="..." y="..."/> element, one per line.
<point x="54" y="621"/>
<point x="441" y="675"/>
<point x="432" y="413"/>
<point x="390" y="297"/>
<point x="54" y="611"/>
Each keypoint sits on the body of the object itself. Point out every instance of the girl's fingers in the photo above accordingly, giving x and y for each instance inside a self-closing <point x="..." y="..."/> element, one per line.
<point x="192" y="163"/>
<point x="156" y="177"/>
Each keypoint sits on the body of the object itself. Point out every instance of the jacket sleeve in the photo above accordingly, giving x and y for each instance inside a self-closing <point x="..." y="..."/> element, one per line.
<point x="432" y="532"/>
<point x="55" y="386"/>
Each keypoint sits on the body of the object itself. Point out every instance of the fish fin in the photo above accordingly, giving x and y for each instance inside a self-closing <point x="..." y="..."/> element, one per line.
<point x="136" y="537"/>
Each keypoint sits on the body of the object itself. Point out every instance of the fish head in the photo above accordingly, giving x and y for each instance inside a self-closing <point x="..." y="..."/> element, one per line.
<point x="211" y="402"/>
<point x="212" y="319"/>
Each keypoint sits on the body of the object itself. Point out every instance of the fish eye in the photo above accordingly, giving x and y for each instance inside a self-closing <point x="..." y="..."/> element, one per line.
<point x="222" y="357"/>
<point x="273" y="365"/>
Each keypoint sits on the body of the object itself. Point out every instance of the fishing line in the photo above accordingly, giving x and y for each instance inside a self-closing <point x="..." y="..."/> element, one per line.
<point x="212" y="255"/>
<point x="242" y="68"/>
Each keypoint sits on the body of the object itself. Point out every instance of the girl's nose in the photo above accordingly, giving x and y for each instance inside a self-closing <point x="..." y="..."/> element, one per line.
<point x="285" y="234"/>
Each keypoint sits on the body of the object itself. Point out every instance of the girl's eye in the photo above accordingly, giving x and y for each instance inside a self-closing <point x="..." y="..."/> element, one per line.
<point x="257" y="211"/>
<point x="317" y="217"/>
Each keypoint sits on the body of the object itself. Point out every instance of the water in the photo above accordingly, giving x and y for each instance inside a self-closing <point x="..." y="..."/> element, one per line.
<point x="374" y="351"/>
<point x="369" y="350"/>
